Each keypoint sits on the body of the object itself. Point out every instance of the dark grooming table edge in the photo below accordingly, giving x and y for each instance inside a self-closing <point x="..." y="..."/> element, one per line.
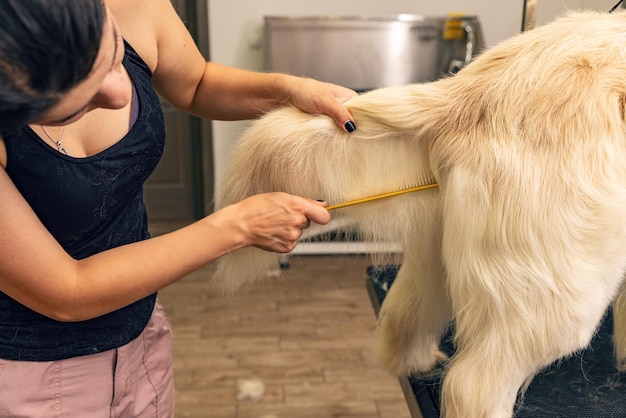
<point x="586" y="385"/>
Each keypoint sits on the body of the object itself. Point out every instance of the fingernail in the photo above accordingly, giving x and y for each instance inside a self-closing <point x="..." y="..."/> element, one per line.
<point x="321" y="200"/>
<point x="350" y="126"/>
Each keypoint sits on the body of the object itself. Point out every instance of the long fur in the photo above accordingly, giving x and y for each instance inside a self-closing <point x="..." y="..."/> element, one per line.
<point x="523" y="245"/>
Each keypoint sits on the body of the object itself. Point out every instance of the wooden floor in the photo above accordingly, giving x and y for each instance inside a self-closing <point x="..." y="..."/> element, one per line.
<point x="308" y="336"/>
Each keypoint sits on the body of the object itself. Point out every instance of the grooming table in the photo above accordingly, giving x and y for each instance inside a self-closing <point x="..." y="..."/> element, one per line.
<point x="586" y="385"/>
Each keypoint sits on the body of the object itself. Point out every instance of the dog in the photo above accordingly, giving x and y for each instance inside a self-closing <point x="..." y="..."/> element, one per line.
<point x="523" y="244"/>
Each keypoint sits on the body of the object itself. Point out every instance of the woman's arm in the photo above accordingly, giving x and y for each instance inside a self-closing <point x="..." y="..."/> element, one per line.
<point x="222" y="90"/>
<point x="37" y="272"/>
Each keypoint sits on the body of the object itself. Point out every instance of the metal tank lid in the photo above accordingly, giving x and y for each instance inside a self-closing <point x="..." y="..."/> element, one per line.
<point x="409" y="18"/>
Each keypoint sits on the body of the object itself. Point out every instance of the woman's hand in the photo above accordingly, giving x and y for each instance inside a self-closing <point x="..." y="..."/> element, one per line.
<point x="275" y="221"/>
<point x="316" y="97"/>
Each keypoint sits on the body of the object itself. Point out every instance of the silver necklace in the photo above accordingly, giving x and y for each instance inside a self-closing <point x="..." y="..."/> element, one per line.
<point x="56" y="142"/>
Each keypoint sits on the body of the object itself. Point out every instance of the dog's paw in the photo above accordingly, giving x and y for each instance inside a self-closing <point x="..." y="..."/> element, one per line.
<point x="416" y="359"/>
<point x="424" y="359"/>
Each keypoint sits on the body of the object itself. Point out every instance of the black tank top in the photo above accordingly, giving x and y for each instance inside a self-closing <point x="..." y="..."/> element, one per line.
<point x="89" y="205"/>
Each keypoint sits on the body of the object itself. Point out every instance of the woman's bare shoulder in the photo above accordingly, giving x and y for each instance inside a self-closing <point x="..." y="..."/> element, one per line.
<point x="139" y="22"/>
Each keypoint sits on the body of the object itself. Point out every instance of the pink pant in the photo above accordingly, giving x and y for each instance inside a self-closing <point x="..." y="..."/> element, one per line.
<point x="135" y="380"/>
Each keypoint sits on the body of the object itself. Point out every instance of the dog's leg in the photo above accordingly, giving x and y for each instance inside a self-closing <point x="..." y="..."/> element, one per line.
<point x="505" y="351"/>
<point x="412" y="321"/>
<point x="483" y="379"/>
<point x="503" y="339"/>
<point x="619" y="329"/>
<point x="520" y="302"/>
<point x="416" y="311"/>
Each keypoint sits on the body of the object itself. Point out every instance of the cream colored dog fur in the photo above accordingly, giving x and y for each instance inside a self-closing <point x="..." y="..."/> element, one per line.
<point x="523" y="245"/>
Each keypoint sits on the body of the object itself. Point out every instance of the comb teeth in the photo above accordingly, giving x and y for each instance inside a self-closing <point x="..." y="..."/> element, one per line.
<point x="381" y="196"/>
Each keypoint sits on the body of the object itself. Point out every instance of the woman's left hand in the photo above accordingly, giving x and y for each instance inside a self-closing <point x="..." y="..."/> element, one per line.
<point x="317" y="97"/>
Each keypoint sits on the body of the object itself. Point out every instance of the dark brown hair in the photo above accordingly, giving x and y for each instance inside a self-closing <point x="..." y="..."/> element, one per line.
<point x="46" y="48"/>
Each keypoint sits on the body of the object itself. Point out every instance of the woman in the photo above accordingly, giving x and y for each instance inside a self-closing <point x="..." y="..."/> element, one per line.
<point x="81" y="332"/>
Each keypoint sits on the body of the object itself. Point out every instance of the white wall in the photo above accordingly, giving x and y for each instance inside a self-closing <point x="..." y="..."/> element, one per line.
<point x="547" y="10"/>
<point x="236" y="32"/>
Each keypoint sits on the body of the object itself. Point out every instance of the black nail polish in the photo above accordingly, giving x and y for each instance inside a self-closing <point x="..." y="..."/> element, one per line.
<point x="350" y="126"/>
<point x="321" y="200"/>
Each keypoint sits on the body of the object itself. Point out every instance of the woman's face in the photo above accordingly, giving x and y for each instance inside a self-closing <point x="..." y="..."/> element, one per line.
<point x="105" y="86"/>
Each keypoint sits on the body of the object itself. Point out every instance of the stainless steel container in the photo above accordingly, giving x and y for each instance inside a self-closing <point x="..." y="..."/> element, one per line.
<point x="366" y="52"/>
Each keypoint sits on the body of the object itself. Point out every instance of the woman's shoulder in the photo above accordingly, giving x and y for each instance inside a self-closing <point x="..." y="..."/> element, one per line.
<point x="139" y="21"/>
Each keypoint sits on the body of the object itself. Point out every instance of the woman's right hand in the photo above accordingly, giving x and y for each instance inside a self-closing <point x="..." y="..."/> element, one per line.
<point x="275" y="221"/>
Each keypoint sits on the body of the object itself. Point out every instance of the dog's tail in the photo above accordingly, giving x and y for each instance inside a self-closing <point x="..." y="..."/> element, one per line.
<point x="293" y="152"/>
